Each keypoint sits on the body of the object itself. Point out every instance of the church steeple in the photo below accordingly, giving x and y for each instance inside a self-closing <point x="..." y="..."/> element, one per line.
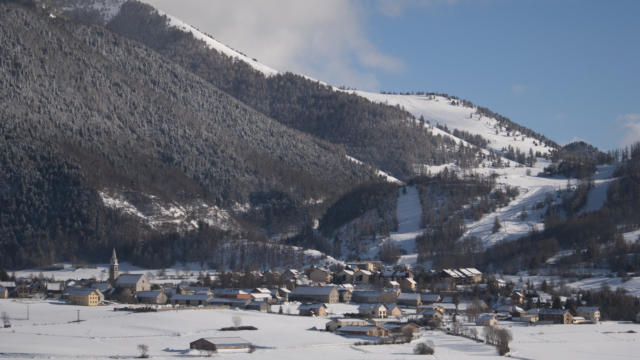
<point x="113" y="268"/>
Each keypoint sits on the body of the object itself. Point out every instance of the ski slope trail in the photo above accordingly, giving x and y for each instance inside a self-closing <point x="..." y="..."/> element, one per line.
<point x="598" y="194"/>
<point x="409" y="214"/>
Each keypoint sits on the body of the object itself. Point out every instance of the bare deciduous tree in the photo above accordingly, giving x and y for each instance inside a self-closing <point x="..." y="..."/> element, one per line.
<point x="144" y="351"/>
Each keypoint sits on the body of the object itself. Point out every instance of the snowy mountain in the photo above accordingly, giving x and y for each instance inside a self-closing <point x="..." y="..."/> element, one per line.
<point x="308" y="140"/>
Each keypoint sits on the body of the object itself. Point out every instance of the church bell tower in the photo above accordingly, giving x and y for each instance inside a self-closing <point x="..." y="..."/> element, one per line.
<point x="113" y="268"/>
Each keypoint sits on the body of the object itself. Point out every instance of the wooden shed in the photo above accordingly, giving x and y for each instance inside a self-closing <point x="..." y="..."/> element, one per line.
<point x="313" y="310"/>
<point x="222" y="344"/>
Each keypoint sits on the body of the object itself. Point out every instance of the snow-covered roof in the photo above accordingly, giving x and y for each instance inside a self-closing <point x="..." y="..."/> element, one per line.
<point x="465" y="272"/>
<point x="474" y="271"/>
<point x="349" y="321"/>
<point x="55" y="286"/>
<point x="261" y="291"/>
<point x="356" y="329"/>
<point x="451" y="273"/>
<point x="261" y="296"/>
<point x="229" y="292"/>
<point x="8" y="284"/>
<point x="394" y="283"/>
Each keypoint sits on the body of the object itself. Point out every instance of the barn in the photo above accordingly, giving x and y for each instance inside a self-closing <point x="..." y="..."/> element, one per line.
<point x="222" y="344"/>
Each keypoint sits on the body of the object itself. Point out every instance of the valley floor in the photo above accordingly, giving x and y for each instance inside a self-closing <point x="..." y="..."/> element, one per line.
<point x="50" y="332"/>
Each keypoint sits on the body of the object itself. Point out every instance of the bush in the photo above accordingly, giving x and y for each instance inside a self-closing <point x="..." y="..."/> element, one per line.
<point x="424" y="349"/>
<point x="239" y="328"/>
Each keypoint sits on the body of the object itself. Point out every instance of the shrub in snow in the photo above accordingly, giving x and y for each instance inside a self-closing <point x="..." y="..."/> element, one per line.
<point x="424" y="349"/>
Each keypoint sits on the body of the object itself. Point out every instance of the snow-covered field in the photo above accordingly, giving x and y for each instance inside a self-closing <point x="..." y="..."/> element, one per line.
<point x="50" y="332"/>
<point x="595" y="282"/>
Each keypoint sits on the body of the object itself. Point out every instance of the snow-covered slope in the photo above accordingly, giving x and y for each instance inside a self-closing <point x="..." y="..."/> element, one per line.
<point x="534" y="192"/>
<point x="440" y="110"/>
<point x="171" y="216"/>
<point x="220" y="47"/>
<point x="108" y="9"/>
<point x="380" y="173"/>
<point x="105" y="9"/>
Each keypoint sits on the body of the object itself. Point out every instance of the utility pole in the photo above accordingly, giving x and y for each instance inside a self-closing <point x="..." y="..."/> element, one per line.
<point x="78" y="315"/>
<point x="27" y="311"/>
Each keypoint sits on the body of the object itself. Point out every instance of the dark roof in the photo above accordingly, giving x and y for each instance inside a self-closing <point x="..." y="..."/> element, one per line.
<point x="587" y="309"/>
<point x="409" y="296"/>
<point x="222" y="342"/>
<point x="552" y="311"/>
<point x="186" y="297"/>
<point x="313" y="290"/>
<point x="80" y="291"/>
<point x="148" y="294"/>
<point x="311" y="306"/>
<point x="228" y="301"/>
<point x="231" y="291"/>
<point x="128" y="279"/>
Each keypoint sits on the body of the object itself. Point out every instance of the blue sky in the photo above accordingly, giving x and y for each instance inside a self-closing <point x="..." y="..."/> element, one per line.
<point x="568" y="69"/>
<point x="565" y="68"/>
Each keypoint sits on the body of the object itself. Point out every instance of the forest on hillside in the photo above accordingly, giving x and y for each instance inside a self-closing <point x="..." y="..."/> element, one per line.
<point x="85" y="110"/>
<point x="377" y="134"/>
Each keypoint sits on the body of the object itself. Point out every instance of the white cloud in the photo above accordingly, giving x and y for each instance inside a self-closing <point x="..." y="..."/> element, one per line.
<point x="518" y="89"/>
<point x="629" y="126"/>
<point x="322" y="39"/>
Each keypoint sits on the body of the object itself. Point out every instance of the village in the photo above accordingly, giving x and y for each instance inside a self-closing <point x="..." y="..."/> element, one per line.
<point x="375" y="303"/>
